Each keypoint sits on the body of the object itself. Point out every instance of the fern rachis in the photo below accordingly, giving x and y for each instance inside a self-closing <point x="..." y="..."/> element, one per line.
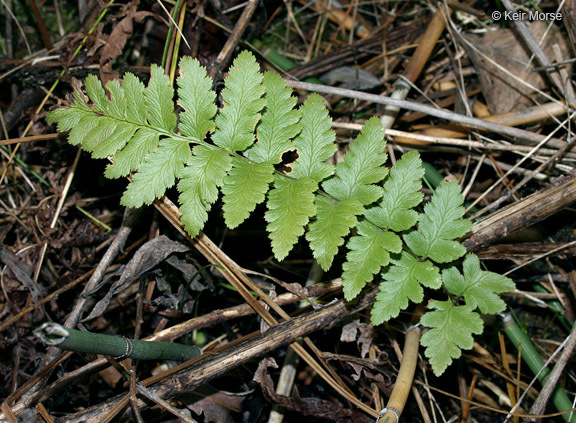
<point x="206" y="151"/>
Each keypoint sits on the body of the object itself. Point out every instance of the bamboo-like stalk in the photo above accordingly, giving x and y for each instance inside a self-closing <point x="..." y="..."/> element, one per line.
<point x="116" y="347"/>
<point x="532" y="358"/>
<point x="399" y="396"/>
<point x="419" y="58"/>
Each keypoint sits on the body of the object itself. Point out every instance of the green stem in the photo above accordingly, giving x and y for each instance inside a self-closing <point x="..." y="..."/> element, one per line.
<point x="532" y="358"/>
<point x="114" y="346"/>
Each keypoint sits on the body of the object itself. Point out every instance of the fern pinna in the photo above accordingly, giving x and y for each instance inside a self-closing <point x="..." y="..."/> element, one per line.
<point x="234" y="151"/>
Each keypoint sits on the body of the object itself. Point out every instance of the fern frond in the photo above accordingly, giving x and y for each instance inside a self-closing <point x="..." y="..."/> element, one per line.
<point x="290" y="206"/>
<point x="199" y="185"/>
<point x="315" y="143"/>
<point x="334" y="220"/>
<point x="158" y="97"/>
<point x="242" y="105"/>
<point x="369" y="252"/>
<point x="279" y="122"/>
<point x="195" y="95"/>
<point x="451" y="331"/>
<point x="478" y="287"/>
<point x="439" y="226"/>
<point x="244" y="187"/>
<point x="403" y="281"/>
<point x="401" y="195"/>
<point x="157" y="173"/>
<point x="361" y="167"/>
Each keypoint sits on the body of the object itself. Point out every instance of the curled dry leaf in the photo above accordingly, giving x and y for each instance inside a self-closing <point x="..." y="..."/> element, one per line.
<point x="145" y="259"/>
<point x="116" y="42"/>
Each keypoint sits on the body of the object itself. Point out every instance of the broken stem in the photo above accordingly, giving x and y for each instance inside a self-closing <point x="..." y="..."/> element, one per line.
<point x="116" y="347"/>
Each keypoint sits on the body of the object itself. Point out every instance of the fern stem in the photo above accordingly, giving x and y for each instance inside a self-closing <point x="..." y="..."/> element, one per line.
<point x="399" y="396"/>
<point x="114" y="346"/>
<point x="532" y="358"/>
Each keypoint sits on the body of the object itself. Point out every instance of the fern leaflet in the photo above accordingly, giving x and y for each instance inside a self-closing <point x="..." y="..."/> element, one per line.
<point x="369" y="252"/>
<point x="290" y="206"/>
<point x="478" y="287"/>
<point x="195" y="95"/>
<point x="315" y="143"/>
<point x="158" y="97"/>
<point x="97" y="94"/>
<point x="117" y="105"/>
<point x="451" y="331"/>
<point x="242" y="103"/>
<point x="334" y="220"/>
<point x="402" y="282"/>
<point x="361" y="167"/>
<point x="199" y="185"/>
<point x="157" y="173"/>
<point x="244" y="187"/>
<point x="401" y="195"/>
<point x="131" y="157"/>
<point x="440" y="225"/>
<point x="279" y="122"/>
<point x="134" y="95"/>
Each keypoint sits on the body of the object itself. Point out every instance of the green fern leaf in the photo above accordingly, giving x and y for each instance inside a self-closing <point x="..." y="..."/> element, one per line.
<point x="440" y="225"/>
<point x="96" y="93"/>
<point x="401" y="195"/>
<point x="132" y="156"/>
<point x="478" y="287"/>
<point x="369" y="252"/>
<point x="362" y="166"/>
<point x="242" y="104"/>
<point x="403" y="281"/>
<point x="279" y="122"/>
<point x="158" y="97"/>
<point x="245" y="186"/>
<point x="333" y="222"/>
<point x="134" y="95"/>
<point x="451" y="331"/>
<point x="199" y="185"/>
<point x="157" y="173"/>
<point x="290" y="206"/>
<point x="195" y="95"/>
<point x="315" y="143"/>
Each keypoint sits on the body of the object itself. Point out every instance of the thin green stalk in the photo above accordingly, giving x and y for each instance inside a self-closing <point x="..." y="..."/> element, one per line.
<point x="532" y="358"/>
<point x="169" y="36"/>
<point x="116" y="347"/>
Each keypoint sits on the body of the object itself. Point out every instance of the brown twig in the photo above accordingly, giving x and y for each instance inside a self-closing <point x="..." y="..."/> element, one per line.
<point x="226" y="52"/>
<point x="480" y="124"/>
